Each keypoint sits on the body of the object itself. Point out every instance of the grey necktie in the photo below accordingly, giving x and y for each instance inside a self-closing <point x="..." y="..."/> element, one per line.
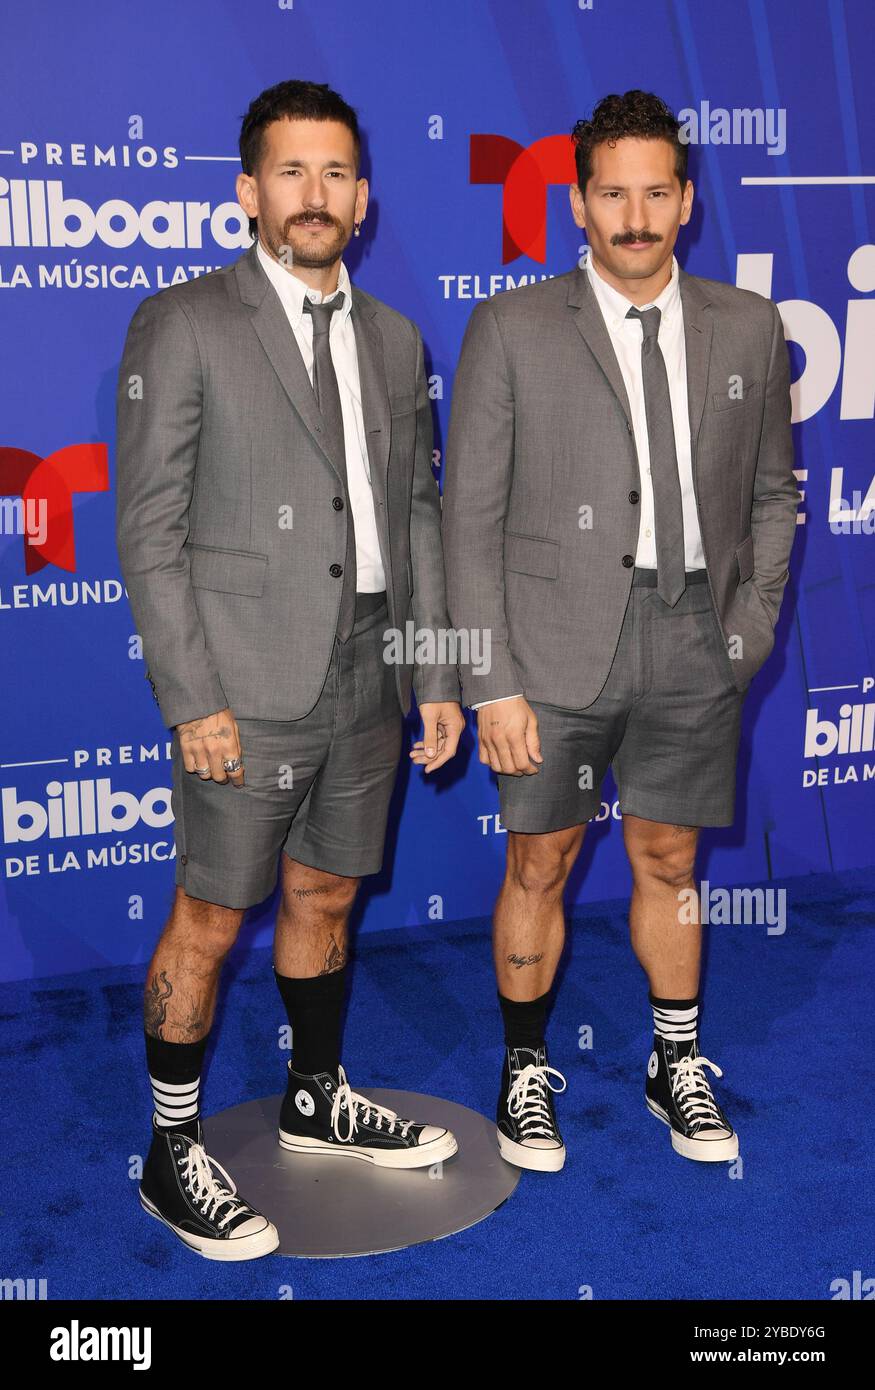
<point x="668" y="510"/>
<point x="328" y="395"/>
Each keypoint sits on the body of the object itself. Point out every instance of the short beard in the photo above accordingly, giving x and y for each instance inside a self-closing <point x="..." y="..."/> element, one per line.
<point x="319" y="259"/>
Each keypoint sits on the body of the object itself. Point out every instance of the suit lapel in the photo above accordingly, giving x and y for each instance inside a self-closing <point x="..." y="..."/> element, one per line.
<point x="279" y="342"/>
<point x="591" y="327"/>
<point x="698" y="331"/>
<point x="374" y="388"/>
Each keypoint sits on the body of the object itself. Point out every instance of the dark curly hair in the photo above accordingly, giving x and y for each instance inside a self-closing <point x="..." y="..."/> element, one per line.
<point x="636" y="114"/>
<point x="292" y="100"/>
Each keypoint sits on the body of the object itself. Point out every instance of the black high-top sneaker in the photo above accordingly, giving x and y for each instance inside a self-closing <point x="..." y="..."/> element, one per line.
<point x="528" y="1135"/>
<point x="193" y="1195"/>
<point x="322" y="1115"/>
<point x="679" y="1093"/>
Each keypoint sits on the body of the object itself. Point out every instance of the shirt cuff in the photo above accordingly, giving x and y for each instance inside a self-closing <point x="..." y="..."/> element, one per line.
<point x="483" y="703"/>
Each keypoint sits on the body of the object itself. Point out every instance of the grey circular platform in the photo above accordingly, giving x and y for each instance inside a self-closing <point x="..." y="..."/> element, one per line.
<point x="329" y="1206"/>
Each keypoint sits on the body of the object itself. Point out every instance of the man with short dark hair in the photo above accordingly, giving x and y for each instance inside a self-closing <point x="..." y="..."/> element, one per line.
<point x="619" y="509"/>
<point x="276" y="511"/>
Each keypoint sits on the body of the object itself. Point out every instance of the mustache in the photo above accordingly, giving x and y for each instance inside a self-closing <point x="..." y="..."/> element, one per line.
<point x="322" y="217"/>
<point x="624" y="238"/>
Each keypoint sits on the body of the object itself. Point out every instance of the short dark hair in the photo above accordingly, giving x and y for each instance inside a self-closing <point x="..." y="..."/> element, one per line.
<point x="297" y="101"/>
<point x="637" y="115"/>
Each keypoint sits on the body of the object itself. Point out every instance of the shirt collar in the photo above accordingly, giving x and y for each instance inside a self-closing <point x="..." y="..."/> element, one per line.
<point x="292" y="290"/>
<point x="615" y="306"/>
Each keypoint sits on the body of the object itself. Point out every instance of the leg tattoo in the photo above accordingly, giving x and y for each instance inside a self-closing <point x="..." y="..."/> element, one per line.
<point x="335" y="959"/>
<point x="520" y="961"/>
<point x="155" y="1006"/>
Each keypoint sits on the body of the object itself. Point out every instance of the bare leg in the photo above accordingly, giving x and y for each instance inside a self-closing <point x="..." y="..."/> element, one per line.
<point x="667" y="945"/>
<point x="310" y="936"/>
<point x="183" y="976"/>
<point x="529" y="919"/>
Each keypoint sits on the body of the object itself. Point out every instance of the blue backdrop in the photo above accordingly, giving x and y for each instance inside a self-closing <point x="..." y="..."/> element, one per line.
<point x="118" y="140"/>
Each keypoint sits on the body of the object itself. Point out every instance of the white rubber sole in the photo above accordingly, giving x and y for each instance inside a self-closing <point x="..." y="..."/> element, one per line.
<point x="538" y="1160"/>
<point x="435" y="1152"/>
<point x="245" y="1248"/>
<point x="702" y="1150"/>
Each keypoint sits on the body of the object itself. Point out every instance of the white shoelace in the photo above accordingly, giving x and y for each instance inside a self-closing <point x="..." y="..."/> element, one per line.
<point x="205" y="1188"/>
<point x="350" y="1101"/>
<point x="689" y="1077"/>
<point x="527" y="1100"/>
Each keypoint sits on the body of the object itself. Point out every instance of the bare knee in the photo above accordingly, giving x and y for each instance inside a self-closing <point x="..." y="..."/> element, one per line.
<point x="203" y="928"/>
<point x="663" y="854"/>
<point x="317" y="891"/>
<point x="540" y="864"/>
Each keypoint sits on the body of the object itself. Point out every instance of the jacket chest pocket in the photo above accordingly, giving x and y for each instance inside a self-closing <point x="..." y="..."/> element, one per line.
<point x="747" y="392"/>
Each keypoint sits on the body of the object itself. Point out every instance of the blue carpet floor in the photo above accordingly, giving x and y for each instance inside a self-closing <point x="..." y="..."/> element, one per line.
<point x="787" y="1017"/>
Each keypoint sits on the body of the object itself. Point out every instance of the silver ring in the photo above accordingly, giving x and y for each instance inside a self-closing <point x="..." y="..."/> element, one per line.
<point x="201" y="770"/>
<point x="232" y="764"/>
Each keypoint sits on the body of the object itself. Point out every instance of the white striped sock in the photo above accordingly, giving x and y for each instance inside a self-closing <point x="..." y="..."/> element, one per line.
<point x="679" y="1025"/>
<point x="174" y="1104"/>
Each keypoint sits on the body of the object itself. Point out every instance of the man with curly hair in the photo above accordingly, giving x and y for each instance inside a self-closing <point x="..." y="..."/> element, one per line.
<point x="619" y="510"/>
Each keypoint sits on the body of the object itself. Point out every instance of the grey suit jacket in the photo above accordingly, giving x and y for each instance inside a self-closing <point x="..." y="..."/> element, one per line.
<point x="541" y="427"/>
<point x="219" y="435"/>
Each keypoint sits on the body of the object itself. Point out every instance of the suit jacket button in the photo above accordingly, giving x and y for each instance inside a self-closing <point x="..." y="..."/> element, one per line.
<point x="633" y="497"/>
<point x="628" y="561"/>
<point x="337" y="503"/>
<point x="183" y="859"/>
<point x="629" y="429"/>
<point x="335" y="570"/>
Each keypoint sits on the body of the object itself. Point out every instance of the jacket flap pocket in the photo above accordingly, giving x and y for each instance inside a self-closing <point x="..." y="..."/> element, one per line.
<point x="531" y="555"/>
<point x="229" y="571"/>
<point x="749" y="391"/>
<point x="744" y="556"/>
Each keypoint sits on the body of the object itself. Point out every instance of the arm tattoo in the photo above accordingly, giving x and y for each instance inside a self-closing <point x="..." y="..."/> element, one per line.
<point x="155" y="1005"/>
<point x="520" y="961"/>
<point x="194" y="732"/>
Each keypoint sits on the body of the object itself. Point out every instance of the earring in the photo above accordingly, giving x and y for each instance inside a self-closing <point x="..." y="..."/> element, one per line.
<point x="357" y="227"/>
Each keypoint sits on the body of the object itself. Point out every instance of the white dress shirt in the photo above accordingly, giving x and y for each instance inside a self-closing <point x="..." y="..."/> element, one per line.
<point x="626" y="337"/>
<point x="370" y="575"/>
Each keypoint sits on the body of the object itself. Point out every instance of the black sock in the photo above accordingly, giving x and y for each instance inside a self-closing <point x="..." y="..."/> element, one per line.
<point x="525" y="1020"/>
<point x="676" y="1019"/>
<point x="175" y="1073"/>
<point x="314" y="1007"/>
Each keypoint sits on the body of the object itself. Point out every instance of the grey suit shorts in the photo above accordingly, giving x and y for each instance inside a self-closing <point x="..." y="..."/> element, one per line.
<point x="667" y="721"/>
<point x="317" y="788"/>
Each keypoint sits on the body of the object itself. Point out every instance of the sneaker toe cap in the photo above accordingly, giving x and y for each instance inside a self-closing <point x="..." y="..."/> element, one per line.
<point x="254" y="1226"/>
<point x="431" y="1134"/>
